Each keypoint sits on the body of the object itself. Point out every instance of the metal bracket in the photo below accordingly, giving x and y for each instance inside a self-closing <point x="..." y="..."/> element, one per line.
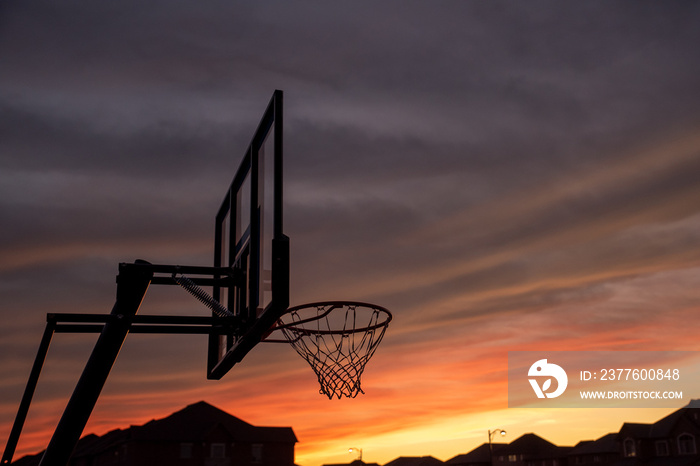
<point x="132" y="283"/>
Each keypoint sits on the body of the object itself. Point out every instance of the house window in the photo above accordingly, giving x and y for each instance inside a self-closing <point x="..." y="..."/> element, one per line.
<point x="629" y="447"/>
<point x="512" y="458"/>
<point x="218" y="450"/>
<point x="661" y="448"/>
<point x="596" y="459"/>
<point x="185" y="450"/>
<point x="256" y="452"/>
<point x="686" y="444"/>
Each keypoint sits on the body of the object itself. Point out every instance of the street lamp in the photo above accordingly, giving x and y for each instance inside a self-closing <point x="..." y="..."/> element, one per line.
<point x="491" y="434"/>
<point x="358" y="450"/>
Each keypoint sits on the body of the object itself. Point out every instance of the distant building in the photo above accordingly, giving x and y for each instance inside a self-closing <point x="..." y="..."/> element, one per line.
<point x="530" y="450"/>
<point x="415" y="461"/>
<point x="198" y="435"/>
<point x="202" y="435"/>
<point x="353" y="463"/>
<point x="601" y="452"/>
<point x="670" y="441"/>
<point x="480" y="456"/>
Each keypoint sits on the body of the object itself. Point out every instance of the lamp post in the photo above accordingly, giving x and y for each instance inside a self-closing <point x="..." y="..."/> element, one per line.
<point x="491" y="434"/>
<point x="358" y="450"/>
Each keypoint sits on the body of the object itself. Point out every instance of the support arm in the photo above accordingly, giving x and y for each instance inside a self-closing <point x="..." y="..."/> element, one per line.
<point x="132" y="284"/>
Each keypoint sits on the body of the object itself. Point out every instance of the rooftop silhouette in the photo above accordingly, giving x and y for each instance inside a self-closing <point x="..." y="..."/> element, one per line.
<point x="204" y="434"/>
<point x="199" y="433"/>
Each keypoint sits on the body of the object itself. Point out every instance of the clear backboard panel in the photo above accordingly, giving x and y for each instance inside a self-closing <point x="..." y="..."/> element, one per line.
<point x="249" y="237"/>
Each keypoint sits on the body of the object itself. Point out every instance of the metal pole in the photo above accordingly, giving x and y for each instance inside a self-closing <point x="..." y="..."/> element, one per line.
<point x="132" y="284"/>
<point x="28" y="394"/>
<point x="491" y="433"/>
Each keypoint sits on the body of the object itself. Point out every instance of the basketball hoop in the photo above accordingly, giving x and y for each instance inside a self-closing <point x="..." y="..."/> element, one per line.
<point x="336" y="338"/>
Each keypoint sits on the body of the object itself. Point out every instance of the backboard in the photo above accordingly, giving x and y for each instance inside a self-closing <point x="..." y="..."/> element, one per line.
<point x="249" y="237"/>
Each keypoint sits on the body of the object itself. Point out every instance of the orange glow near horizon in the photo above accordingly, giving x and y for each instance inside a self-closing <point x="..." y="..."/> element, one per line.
<point x="382" y="440"/>
<point x="460" y="394"/>
<point x="422" y="398"/>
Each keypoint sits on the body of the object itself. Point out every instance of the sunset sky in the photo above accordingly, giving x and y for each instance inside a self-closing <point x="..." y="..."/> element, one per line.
<point x="502" y="176"/>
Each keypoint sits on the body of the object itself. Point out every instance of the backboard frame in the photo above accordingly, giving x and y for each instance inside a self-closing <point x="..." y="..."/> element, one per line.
<point x="249" y="237"/>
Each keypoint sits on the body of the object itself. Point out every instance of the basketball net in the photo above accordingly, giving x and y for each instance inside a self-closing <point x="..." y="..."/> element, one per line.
<point x="337" y="339"/>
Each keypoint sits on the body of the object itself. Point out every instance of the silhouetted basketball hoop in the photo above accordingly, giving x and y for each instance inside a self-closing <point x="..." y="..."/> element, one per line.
<point x="249" y="301"/>
<point x="336" y="338"/>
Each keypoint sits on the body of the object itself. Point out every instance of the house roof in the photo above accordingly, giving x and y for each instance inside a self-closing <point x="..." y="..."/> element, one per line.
<point x="530" y="445"/>
<point x="480" y="454"/>
<point x="533" y="446"/>
<point x="29" y="460"/>
<point x="415" y="461"/>
<point x="191" y="424"/>
<point x="91" y="443"/>
<point x="663" y="427"/>
<point x="195" y="421"/>
<point x="354" y="463"/>
<point x="634" y="429"/>
<point x="605" y="444"/>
